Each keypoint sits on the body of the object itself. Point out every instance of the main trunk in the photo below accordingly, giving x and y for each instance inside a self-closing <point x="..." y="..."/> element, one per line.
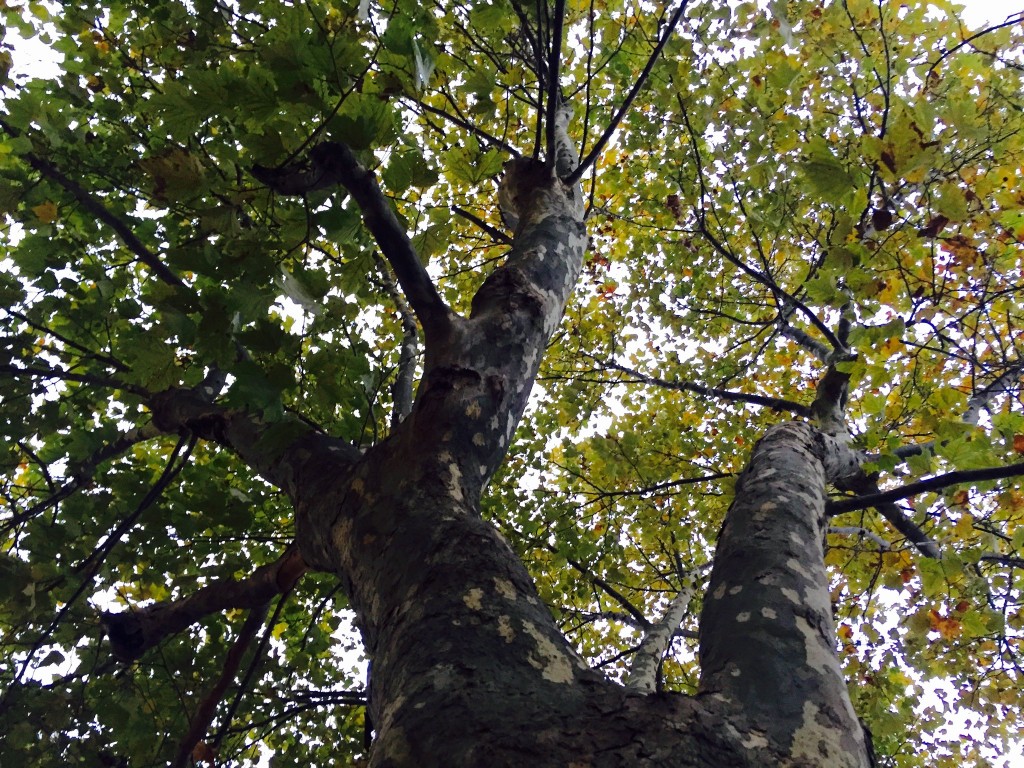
<point x="468" y="667"/>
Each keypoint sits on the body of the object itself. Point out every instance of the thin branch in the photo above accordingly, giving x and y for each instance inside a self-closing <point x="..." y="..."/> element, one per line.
<point x="497" y="234"/>
<point x="250" y="671"/>
<point x="598" y="148"/>
<point x="864" y="533"/>
<point x="92" y="564"/>
<point x="82" y="473"/>
<point x="1015" y="19"/>
<point x="775" y="403"/>
<point x="467" y="126"/>
<point x="97" y="209"/>
<point x="643" y="672"/>
<point x="80" y="378"/>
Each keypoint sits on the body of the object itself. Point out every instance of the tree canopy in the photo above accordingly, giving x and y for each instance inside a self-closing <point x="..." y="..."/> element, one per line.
<point x="794" y="210"/>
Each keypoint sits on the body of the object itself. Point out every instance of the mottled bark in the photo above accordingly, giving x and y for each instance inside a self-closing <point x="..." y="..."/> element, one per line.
<point x="767" y="641"/>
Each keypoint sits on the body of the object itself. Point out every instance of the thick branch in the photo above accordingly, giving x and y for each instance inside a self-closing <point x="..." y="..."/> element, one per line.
<point x="767" y="639"/>
<point x="132" y="633"/>
<point x="937" y="483"/>
<point x="280" y="452"/>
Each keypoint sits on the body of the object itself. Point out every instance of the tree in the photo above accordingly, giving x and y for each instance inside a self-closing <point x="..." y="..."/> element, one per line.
<point x="754" y="308"/>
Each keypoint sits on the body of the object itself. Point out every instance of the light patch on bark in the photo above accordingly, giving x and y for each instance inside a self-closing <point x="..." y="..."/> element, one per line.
<point x="819" y="656"/>
<point x="505" y="629"/>
<point x="341" y="537"/>
<point x="735" y="590"/>
<point x="768" y="613"/>
<point x="791" y="594"/>
<point x="474" y="599"/>
<point x="814" y="742"/>
<point x="505" y="588"/>
<point x="479" y="439"/>
<point x="743" y="616"/>
<point x="552" y="663"/>
<point x="454" y="486"/>
<point x="473" y="410"/>
<point x="443" y="677"/>
<point x="755" y="740"/>
<point x="719" y="592"/>
<point x="798" y="567"/>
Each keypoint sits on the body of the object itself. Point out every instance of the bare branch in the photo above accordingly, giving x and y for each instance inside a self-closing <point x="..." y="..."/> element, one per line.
<point x="864" y="533"/>
<point x="775" y="403"/>
<point x="554" y="92"/>
<point x="402" y="389"/>
<point x="497" y="234"/>
<point x="208" y="706"/>
<point x="937" y="483"/>
<point x="598" y="148"/>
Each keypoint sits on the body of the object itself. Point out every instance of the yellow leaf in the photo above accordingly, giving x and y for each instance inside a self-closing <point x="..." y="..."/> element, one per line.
<point x="278" y="630"/>
<point x="46" y="212"/>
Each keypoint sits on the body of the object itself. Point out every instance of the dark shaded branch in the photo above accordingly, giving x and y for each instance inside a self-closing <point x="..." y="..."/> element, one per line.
<point x="334" y="163"/>
<point x="1015" y="19"/>
<point x="467" y="126"/>
<point x="866" y="486"/>
<point x="134" y="632"/>
<point x="91" y="565"/>
<point x="612" y="592"/>
<point x="97" y="209"/>
<point x="775" y="403"/>
<point x="497" y="234"/>
<point x="250" y="671"/>
<point x="554" y="90"/>
<point x="803" y="339"/>
<point x="278" y="451"/>
<point x="937" y="483"/>
<point x="80" y="378"/>
<point x="598" y="148"/>
<point x="208" y="706"/>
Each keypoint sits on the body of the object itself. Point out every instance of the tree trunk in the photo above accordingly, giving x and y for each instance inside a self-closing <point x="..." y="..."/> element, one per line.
<point x="468" y="666"/>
